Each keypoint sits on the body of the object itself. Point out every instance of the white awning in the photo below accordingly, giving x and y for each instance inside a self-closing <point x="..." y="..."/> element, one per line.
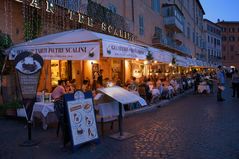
<point x="79" y="44"/>
<point x="181" y="61"/>
<point x="161" y="55"/>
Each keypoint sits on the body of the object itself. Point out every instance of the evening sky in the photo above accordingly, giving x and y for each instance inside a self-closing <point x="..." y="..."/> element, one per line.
<point x="227" y="10"/>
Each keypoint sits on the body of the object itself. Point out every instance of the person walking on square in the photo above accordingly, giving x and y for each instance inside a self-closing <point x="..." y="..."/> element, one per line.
<point x="220" y="83"/>
<point x="235" y="84"/>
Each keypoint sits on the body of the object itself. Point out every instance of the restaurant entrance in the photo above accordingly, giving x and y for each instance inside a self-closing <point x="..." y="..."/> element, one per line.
<point x="60" y="70"/>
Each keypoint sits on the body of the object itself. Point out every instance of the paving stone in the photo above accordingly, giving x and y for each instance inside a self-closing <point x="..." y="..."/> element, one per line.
<point x="190" y="127"/>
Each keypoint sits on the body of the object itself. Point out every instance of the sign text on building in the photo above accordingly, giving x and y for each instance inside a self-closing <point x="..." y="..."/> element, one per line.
<point x="73" y="7"/>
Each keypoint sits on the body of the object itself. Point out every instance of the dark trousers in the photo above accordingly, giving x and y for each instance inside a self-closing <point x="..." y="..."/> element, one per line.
<point x="196" y="87"/>
<point x="219" y="93"/>
<point x="235" y="88"/>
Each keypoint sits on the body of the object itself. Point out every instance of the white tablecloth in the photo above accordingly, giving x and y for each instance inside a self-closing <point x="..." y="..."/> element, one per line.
<point x="44" y="108"/>
<point x="41" y="110"/>
<point x="109" y="109"/>
<point x="202" y="88"/>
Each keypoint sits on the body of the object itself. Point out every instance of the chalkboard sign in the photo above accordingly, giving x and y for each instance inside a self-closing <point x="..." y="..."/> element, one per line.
<point x="82" y="121"/>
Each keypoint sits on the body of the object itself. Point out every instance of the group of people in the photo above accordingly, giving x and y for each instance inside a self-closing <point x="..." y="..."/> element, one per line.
<point x="64" y="86"/>
<point x="235" y="83"/>
<point x="156" y="87"/>
<point x="221" y="83"/>
<point x="204" y="79"/>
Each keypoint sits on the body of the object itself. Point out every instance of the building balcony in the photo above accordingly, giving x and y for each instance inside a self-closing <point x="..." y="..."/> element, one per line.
<point x="201" y="56"/>
<point x="170" y="43"/>
<point x="173" y="18"/>
<point x="172" y="24"/>
<point x="178" y="38"/>
<point x="215" y="58"/>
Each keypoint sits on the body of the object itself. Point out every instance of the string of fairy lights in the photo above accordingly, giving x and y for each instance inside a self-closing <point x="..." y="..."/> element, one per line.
<point x="6" y="16"/>
<point x="11" y="16"/>
<point x="37" y="21"/>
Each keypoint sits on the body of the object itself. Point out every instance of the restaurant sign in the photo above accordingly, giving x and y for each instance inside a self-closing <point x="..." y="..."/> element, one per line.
<point x="28" y="66"/>
<point x="74" y="14"/>
<point x="80" y="51"/>
<point x="161" y="55"/>
<point x="123" y="50"/>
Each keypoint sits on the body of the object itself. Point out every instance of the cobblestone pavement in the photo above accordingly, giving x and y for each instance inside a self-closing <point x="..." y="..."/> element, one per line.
<point x="192" y="127"/>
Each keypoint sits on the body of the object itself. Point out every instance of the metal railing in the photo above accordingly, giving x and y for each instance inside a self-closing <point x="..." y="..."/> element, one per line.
<point x="172" y="20"/>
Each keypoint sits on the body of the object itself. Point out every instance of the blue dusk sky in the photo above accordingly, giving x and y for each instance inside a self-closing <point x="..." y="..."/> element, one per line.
<point x="227" y="10"/>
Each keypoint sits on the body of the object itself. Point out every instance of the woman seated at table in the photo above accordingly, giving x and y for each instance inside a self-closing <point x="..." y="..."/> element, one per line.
<point x="59" y="91"/>
<point x="85" y="87"/>
<point x="69" y="88"/>
<point x="171" y="91"/>
<point x="73" y="84"/>
<point x="143" y="86"/>
<point x="133" y="86"/>
<point x="155" y="94"/>
<point x="165" y="91"/>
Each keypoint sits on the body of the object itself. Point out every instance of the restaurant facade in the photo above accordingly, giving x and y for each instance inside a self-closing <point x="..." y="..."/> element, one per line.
<point x="78" y="39"/>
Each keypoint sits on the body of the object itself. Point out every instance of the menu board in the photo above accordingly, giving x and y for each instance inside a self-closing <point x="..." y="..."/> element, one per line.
<point x="122" y="95"/>
<point x="82" y="121"/>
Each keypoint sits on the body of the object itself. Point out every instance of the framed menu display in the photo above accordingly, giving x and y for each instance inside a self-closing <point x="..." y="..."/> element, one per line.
<point x="82" y="121"/>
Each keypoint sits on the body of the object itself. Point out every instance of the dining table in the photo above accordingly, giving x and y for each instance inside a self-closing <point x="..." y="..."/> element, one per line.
<point x="41" y="110"/>
<point x="203" y="87"/>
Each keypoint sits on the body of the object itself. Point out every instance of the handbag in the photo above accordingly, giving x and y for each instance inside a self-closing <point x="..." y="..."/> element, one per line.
<point x="221" y="88"/>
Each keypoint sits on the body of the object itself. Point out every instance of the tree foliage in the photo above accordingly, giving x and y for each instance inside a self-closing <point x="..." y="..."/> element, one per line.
<point x="5" y="42"/>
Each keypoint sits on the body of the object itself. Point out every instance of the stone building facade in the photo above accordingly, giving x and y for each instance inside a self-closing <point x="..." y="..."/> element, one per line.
<point x="230" y="43"/>
<point x="213" y="42"/>
<point x="174" y="25"/>
<point x="170" y="24"/>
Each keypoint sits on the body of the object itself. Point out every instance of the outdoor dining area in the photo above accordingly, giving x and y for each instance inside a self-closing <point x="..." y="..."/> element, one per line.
<point x="153" y="90"/>
<point x="110" y="80"/>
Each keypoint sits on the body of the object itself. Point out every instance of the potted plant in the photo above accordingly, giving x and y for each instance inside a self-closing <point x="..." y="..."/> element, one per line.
<point x="149" y="57"/>
<point x="5" y="42"/>
<point x="173" y="60"/>
<point x="10" y="109"/>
